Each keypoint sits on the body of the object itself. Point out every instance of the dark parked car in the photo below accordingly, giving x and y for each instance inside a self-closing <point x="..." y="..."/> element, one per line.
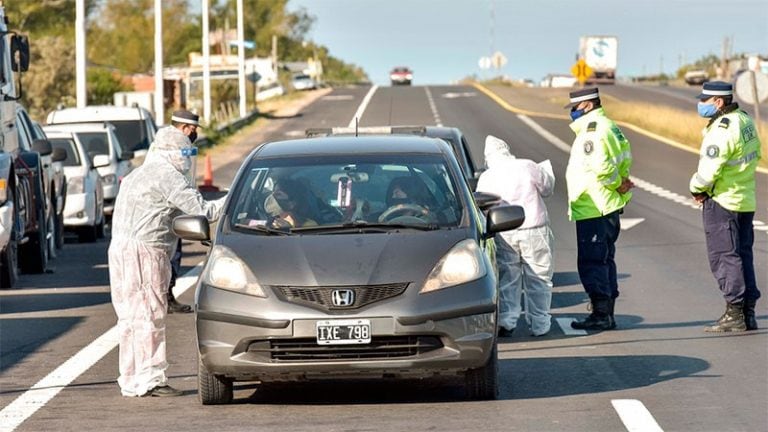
<point x="452" y="135"/>
<point x="345" y="257"/>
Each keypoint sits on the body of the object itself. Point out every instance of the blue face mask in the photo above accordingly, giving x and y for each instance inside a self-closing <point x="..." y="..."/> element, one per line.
<point x="707" y="110"/>
<point x="575" y="114"/>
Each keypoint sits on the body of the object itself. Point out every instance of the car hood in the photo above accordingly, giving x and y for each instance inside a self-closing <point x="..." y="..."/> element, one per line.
<point x="342" y="259"/>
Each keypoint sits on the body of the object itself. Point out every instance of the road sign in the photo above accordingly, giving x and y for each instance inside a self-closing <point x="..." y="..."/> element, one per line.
<point x="498" y="60"/>
<point x="484" y="63"/>
<point x="746" y="91"/>
<point x="581" y="71"/>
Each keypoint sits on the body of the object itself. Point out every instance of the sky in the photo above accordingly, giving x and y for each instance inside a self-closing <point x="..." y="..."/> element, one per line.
<point x="443" y="40"/>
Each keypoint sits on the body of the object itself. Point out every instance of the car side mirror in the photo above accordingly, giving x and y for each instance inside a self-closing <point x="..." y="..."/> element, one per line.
<point x="100" y="160"/>
<point x="486" y="200"/>
<point x="42" y="146"/>
<point x="58" y="154"/>
<point x="504" y="218"/>
<point x="194" y="228"/>
<point x="19" y="53"/>
<point x="126" y="155"/>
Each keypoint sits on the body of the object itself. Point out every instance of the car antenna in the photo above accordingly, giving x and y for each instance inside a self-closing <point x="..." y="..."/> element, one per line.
<point x="356" y="124"/>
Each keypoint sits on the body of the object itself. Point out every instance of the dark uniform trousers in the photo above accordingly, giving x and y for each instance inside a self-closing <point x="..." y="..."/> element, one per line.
<point x="596" y="240"/>
<point x="730" y="238"/>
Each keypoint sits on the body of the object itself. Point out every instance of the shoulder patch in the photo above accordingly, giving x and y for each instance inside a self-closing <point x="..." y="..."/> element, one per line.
<point x="713" y="151"/>
<point x="588" y="147"/>
<point x="724" y="123"/>
<point x="592" y="126"/>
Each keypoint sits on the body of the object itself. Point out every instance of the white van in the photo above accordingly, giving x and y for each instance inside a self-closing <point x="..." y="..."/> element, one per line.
<point x="96" y="139"/>
<point x="134" y="126"/>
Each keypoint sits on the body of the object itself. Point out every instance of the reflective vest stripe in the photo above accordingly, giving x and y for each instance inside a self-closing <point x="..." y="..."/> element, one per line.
<point x="701" y="182"/>
<point x="612" y="179"/>
<point x="746" y="159"/>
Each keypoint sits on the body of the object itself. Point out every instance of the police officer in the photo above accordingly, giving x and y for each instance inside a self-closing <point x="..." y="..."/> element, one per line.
<point x="724" y="184"/>
<point x="598" y="189"/>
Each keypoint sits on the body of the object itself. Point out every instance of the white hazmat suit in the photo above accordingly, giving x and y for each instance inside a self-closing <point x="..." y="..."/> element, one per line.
<point x="524" y="255"/>
<point x="142" y="244"/>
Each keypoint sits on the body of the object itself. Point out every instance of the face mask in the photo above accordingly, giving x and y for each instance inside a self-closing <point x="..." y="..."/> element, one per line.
<point x="192" y="137"/>
<point x="707" y="110"/>
<point x="575" y="114"/>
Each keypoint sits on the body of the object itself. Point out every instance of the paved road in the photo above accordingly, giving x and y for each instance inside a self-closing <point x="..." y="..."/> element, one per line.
<point x="686" y="379"/>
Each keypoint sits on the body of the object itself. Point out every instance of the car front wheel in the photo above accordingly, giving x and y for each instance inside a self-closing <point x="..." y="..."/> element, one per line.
<point x="213" y="389"/>
<point x="482" y="383"/>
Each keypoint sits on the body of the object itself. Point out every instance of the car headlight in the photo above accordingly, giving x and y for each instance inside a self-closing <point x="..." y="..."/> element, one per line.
<point x="110" y="179"/>
<point x="226" y="271"/>
<point x="463" y="263"/>
<point x="76" y="185"/>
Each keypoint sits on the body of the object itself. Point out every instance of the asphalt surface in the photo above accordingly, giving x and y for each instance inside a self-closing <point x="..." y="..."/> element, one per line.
<point x="685" y="378"/>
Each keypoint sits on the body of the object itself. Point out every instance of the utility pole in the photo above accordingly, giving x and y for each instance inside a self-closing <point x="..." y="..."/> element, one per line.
<point x="206" y="65"/>
<point x="80" y="56"/>
<point x="159" y="86"/>
<point x="241" y="58"/>
<point x="274" y="54"/>
<point x="724" y="72"/>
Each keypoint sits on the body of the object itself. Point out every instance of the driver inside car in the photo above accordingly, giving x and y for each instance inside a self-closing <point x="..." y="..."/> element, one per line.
<point x="407" y="197"/>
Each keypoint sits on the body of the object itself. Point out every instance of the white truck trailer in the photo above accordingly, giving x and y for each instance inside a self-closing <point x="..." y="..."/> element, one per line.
<point x="601" y="55"/>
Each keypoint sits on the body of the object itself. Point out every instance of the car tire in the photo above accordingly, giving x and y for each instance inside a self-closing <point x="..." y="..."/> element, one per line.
<point x="9" y="263"/>
<point x="213" y="389"/>
<point x="58" y="233"/>
<point x="482" y="383"/>
<point x="100" y="231"/>
<point x="51" y="231"/>
<point x="33" y="255"/>
<point x="87" y="234"/>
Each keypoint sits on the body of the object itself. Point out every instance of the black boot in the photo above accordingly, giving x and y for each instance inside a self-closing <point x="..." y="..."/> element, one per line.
<point x="176" y="307"/>
<point x="611" y="305"/>
<point x="599" y="319"/>
<point x="749" y="314"/>
<point x="731" y="321"/>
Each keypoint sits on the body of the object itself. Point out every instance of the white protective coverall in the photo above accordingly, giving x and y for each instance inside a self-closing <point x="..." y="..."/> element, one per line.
<point x="524" y="255"/>
<point x="139" y="256"/>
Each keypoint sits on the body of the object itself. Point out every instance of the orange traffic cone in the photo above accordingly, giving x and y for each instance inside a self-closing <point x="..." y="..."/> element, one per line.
<point x="207" y="185"/>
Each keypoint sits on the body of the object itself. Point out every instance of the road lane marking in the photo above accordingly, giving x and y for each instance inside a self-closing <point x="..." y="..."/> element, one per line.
<point x="549" y="136"/>
<point x="337" y="97"/>
<point x="635" y="416"/>
<point x="454" y="95"/>
<point x="432" y="106"/>
<point x="629" y="223"/>
<point x="565" y="326"/>
<point x="363" y="106"/>
<point x="24" y="406"/>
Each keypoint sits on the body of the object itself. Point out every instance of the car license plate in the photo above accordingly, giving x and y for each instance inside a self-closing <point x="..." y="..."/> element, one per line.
<point x="343" y="332"/>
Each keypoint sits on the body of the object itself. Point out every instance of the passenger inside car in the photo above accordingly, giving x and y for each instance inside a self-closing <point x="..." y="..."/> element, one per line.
<point x="289" y="205"/>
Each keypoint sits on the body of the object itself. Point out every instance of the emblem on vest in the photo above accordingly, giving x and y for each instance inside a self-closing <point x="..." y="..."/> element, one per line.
<point x="713" y="151"/>
<point x="588" y="147"/>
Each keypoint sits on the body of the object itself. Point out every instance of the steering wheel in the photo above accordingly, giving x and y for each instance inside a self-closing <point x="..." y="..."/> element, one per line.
<point x="405" y="209"/>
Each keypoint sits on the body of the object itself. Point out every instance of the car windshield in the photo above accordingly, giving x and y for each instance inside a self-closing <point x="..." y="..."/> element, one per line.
<point x="94" y="143"/>
<point x="346" y="192"/>
<point x="68" y="144"/>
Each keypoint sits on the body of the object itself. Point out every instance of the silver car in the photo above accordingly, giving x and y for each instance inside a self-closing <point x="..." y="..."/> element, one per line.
<point x="349" y="257"/>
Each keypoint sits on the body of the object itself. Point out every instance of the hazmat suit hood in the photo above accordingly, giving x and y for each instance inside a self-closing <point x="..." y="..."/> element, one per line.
<point x="168" y="145"/>
<point x="496" y="151"/>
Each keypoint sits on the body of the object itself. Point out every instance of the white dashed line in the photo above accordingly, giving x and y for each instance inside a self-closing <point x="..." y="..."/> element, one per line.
<point x="432" y="106"/>
<point x="47" y="388"/>
<point x="635" y="416"/>
<point x="363" y="106"/>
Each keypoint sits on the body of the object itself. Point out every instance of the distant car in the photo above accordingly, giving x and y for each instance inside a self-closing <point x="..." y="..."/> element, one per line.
<point x="268" y="91"/>
<point x="452" y="135"/>
<point x="84" y="210"/>
<point x="135" y="127"/>
<point x="401" y="76"/>
<point x="696" y="77"/>
<point x="410" y="290"/>
<point x="303" y="82"/>
<point x="101" y="138"/>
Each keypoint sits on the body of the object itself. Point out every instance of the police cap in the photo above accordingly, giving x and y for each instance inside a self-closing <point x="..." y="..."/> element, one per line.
<point x="715" y="88"/>
<point x="184" y="116"/>
<point x="579" y="96"/>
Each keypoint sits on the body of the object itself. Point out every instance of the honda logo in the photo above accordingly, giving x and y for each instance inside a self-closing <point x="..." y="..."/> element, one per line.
<point x="344" y="297"/>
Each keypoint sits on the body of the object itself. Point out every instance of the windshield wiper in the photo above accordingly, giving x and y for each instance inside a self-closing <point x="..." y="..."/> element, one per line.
<point x="359" y="226"/>
<point x="264" y="229"/>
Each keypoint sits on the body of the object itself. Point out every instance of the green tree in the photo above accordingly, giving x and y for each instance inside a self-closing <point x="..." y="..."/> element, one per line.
<point x="102" y="86"/>
<point x="51" y="77"/>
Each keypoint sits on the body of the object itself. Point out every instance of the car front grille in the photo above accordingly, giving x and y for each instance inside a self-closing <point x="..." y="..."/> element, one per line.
<point x="380" y="348"/>
<point x="322" y="297"/>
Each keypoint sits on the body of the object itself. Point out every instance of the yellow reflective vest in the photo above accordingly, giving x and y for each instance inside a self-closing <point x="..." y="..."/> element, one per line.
<point x="728" y="159"/>
<point x="600" y="160"/>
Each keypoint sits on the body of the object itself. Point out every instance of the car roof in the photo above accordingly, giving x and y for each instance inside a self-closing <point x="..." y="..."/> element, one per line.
<point x="443" y="132"/>
<point x="97" y="113"/>
<point x="363" y="144"/>
<point x="80" y="127"/>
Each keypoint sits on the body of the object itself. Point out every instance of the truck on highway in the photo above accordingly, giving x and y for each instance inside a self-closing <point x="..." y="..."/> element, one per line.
<point x="601" y="55"/>
<point x="23" y="203"/>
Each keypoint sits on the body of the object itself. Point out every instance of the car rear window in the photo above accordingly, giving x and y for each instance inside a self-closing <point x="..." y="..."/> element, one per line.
<point x="331" y="190"/>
